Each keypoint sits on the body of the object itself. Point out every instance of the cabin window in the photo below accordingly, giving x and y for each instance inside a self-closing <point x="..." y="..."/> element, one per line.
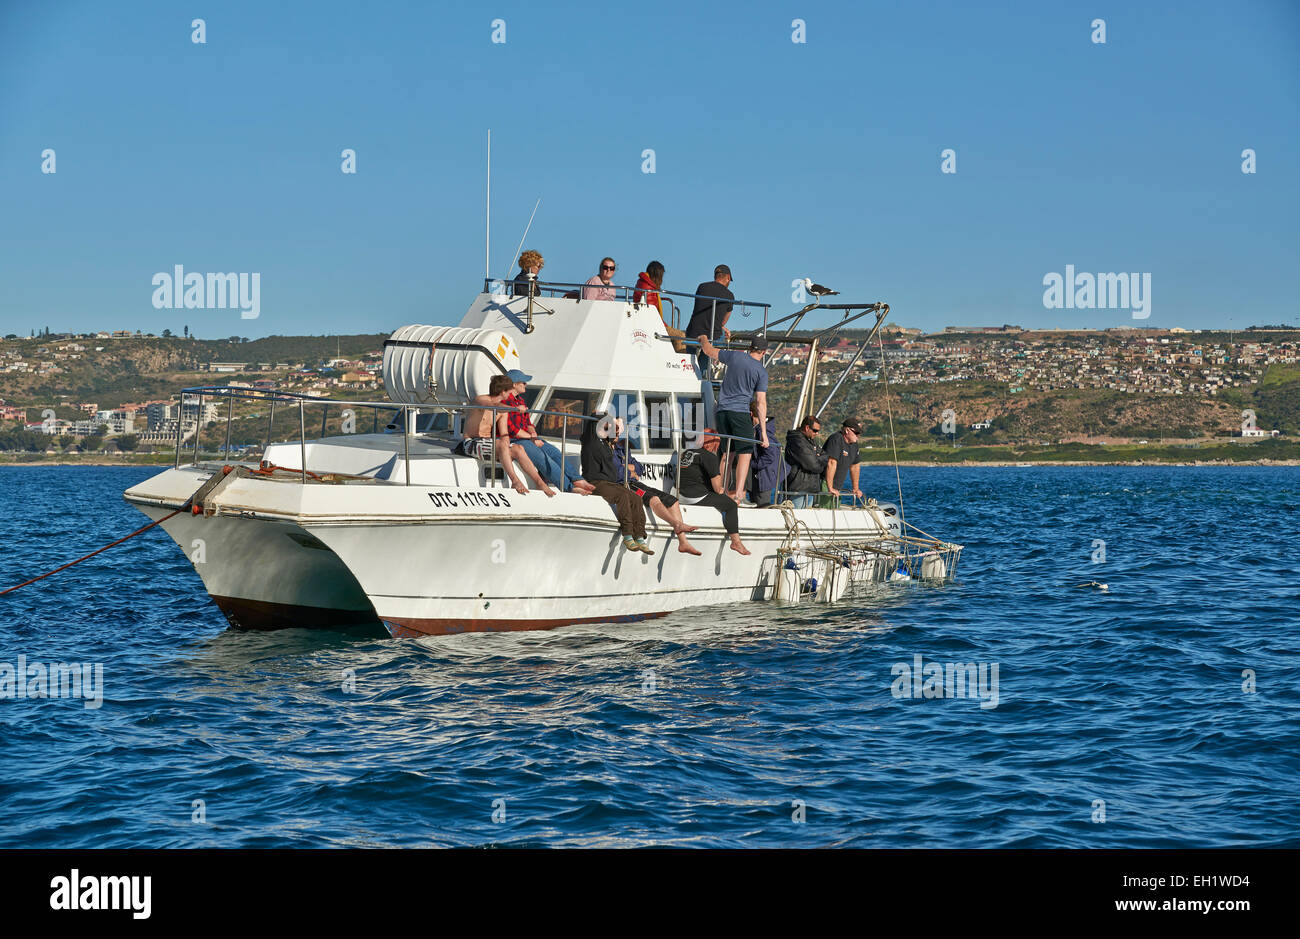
<point x="577" y="403"/>
<point x="624" y="404"/>
<point x="658" y="421"/>
<point x="693" y="418"/>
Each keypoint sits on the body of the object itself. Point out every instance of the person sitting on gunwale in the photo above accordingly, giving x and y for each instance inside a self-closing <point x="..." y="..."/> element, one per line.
<point x="479" y="440"/>
<point x="656" y="500"/>
<point x="701" y="484"/>
<point x="599" y="470"/>
<point x="524" y="437"/>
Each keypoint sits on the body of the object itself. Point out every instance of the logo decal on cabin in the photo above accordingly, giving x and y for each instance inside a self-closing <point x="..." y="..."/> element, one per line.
<point x="640" y="338"/>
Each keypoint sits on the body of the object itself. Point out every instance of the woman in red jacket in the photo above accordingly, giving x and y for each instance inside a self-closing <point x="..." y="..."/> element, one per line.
<point x="648" y="284"/>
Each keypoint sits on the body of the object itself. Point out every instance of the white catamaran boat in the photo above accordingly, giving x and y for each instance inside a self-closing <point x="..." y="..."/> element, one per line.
<point x="396" y="526"/>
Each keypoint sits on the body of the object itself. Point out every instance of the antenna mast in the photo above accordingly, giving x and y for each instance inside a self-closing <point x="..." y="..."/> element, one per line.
<point x="524" y="238"/>
<point x="487" y="248"/>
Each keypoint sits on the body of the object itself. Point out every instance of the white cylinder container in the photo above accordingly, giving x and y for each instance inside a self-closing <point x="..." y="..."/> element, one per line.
<point x="789" y="582"/>
<point x="833" y="582"/>
<point x="933" y="566"/>
<point x="428" y="364"/>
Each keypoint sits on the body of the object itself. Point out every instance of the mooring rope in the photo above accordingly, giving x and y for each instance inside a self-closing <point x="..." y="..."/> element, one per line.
<point x="111" y="544"/>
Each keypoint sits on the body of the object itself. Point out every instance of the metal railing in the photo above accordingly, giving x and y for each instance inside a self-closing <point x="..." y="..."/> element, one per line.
<point x="562" y="290"/>
<point x="406" y="417"/>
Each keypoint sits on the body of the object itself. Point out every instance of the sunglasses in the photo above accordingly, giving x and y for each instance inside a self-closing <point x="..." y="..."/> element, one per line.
<point x="608" y="267"/>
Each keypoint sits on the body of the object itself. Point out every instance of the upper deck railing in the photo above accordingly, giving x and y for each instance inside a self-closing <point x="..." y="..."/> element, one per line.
<point x="623" y="294"/>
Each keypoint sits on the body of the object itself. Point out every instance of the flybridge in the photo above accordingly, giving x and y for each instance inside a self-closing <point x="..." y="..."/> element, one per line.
<point x="566" y="342"/>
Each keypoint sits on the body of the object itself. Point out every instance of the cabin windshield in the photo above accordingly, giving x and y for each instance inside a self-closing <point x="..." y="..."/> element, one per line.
<point x="566" y="401"/>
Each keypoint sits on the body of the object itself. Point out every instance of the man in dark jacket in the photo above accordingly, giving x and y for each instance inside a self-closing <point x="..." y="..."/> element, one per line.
<point x="767" y="463"/>
<point x="599" y="470"/>
<point x="806" y="461"/>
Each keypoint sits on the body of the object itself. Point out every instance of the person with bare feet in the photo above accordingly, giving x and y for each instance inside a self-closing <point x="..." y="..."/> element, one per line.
<point x="526" y="443"/>
<point x="701" y="484"/>
<point x="486" y="436"/>
<point x="598" y="469"/>
<point x="656" y="500"/>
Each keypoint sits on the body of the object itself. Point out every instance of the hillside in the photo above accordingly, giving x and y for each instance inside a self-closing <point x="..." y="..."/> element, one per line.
<point x="136" y="369"/>
<point x="949" y="372"/>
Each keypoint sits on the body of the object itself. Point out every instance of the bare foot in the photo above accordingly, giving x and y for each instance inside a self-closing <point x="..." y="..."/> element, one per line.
<point x="548" y="490"/>
<point x="685" y="530"/>
<point x="685" y="547"/>
<point x="738" y="547"/>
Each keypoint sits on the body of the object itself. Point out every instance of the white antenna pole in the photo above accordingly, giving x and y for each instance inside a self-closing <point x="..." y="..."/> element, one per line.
<point x="487" y="248"/>
<point x="522" y="240"/>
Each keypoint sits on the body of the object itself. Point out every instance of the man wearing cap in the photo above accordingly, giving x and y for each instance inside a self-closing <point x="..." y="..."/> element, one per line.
<point x="708" y="323"/>
<point x="745" y="382"/>
<point x="545" y="456"/>
<point x="842" y="464"/>
<point x="712" y="306"/>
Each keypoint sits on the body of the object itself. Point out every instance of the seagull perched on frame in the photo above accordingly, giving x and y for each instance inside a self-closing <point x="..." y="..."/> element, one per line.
<point x="817" y="290"/>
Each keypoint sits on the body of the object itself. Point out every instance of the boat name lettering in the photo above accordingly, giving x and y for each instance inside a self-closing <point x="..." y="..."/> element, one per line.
<point x="473" y="500"/>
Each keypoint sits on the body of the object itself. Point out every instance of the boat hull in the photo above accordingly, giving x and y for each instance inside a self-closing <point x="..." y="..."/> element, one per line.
<point x="435" y="561"/>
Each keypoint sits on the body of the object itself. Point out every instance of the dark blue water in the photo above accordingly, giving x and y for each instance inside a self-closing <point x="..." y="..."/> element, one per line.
<point x="1127" y="702"/>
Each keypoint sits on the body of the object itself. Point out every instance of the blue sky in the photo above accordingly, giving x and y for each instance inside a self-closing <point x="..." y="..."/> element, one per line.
<point x="779" y="159"/>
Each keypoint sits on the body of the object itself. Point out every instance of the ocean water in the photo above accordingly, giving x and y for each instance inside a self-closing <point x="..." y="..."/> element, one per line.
<point x="1163" y="711"/>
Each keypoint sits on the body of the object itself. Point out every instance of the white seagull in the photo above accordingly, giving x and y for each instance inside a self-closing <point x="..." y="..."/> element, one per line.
<point x="817" y="290"/>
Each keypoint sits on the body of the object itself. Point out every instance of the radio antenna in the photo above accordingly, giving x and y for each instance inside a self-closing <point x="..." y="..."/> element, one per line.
<point x="487" y="247"/>
<point x="522" y="240"/>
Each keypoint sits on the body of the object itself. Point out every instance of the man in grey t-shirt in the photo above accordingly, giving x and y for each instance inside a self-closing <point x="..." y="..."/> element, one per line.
<point x="745" y="381"/>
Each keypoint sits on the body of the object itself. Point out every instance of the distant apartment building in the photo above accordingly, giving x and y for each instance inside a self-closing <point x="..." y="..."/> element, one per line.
<point x="162" y="415"/>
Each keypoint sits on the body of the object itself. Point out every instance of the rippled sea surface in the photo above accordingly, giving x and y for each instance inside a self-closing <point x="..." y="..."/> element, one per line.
<point x="1163" y="711"/>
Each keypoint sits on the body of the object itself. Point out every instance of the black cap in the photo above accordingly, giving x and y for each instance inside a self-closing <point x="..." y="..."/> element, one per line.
<point x="758" y="344"/>
<point x="720" y="270"/>
<point x="853" y="424"/>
